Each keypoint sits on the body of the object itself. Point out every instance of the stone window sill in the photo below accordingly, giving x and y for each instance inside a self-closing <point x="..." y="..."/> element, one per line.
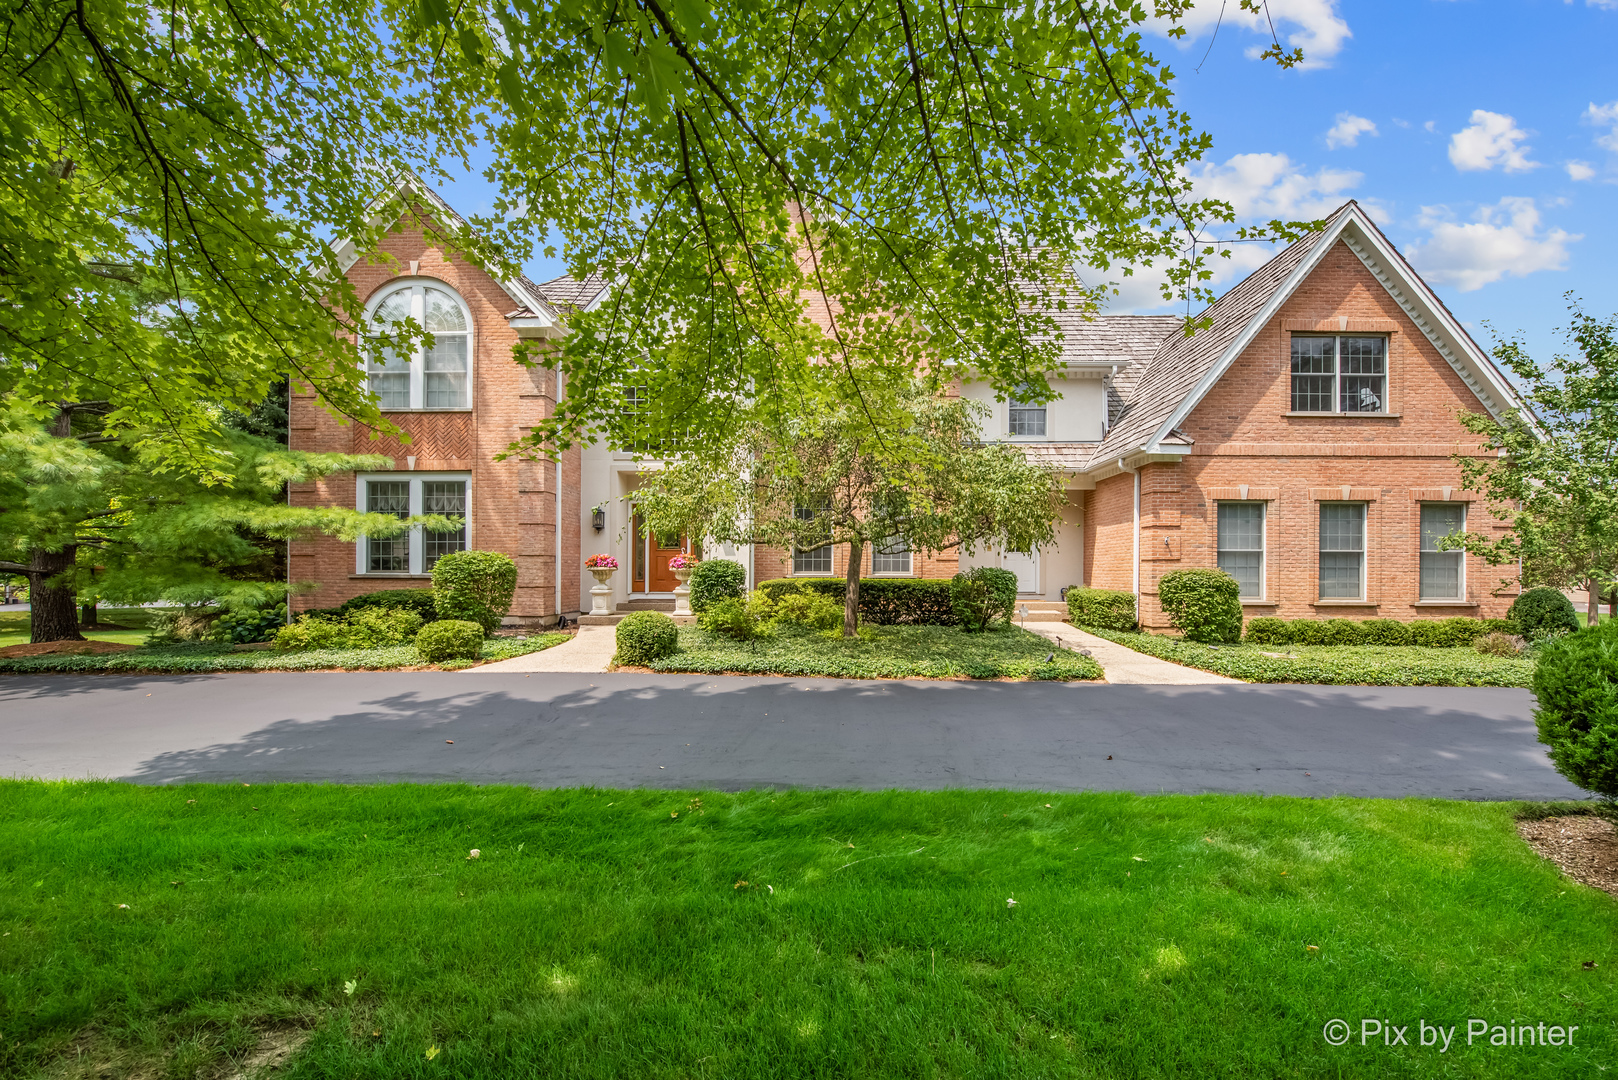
<point x="1344" y="415"/>
<point x="390" y="577"/>
<point x="1444" y="603"/>
<point x="1261" y="603"/>
<point x="457" y="408"/>
<point x="1344" y="603"/>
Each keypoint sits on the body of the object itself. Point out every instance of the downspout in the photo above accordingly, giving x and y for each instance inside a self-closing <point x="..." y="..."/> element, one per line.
<point x="556" y="582"/>
<point x="1135" y="561"/>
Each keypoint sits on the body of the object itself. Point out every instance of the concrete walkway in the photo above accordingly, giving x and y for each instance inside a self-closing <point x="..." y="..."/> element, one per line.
<point x="1122" y="665"/>
<point x="590" y="650"/>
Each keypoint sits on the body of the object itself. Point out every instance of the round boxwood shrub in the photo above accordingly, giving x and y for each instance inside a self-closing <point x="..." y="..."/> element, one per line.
<point x="449" y="639"/>
<point x="1542" y="611"/>
<point x="1101" y="609"/>
<point x="714" y="580"/>
<point x="474" y="586"/>
<point x="1269" y="630"/>
<point x="983" y="596"/>
<point x="1204" y="605"/>
<point x="1385" y="632"/>
<point x="644" y="636"/>
<point x="1576" y="685"/>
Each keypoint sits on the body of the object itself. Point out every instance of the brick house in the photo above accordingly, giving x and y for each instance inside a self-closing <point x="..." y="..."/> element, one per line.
<point x="1302" y="441"/>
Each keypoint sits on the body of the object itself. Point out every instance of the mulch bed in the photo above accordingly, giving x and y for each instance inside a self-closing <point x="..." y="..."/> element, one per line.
<point x="64" y="648"/>
<point x="1584" y="846"/>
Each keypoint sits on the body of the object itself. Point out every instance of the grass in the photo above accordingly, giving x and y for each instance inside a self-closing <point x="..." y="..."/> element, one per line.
<point x="194" y="659"/>
<point x="14" y="626"/>
<point x="1337" y="665"/>
<point x="883" y="652"/>
<point x="659" y="934"/>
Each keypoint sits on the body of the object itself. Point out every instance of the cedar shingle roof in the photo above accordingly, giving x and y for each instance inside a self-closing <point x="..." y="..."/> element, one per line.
<point x="572" y="292"/>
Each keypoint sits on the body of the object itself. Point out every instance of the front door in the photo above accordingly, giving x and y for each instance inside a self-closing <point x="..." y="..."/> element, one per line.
<point x="1026" y="566"/>
<point x="664" y="548"/>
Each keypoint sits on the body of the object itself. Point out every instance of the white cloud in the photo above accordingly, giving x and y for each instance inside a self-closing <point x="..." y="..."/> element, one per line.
<point x="1431" y="125"/>
<point x="1504" y="239"/>
<point x="1491" y="139"/>
<point x="1311" y="25"/>
<point x="1604" y="116"/>
<point x="1579" y="170"/>
<point x="1265" y="186"/>
<point x="1348" y="129"/>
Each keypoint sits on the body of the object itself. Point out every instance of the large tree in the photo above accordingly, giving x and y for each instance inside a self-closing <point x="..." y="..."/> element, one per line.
<point x="1553" y="472"/>
<point x="902" y="464"/>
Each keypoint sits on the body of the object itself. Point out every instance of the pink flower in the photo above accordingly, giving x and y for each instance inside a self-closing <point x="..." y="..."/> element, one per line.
<point x="601" y="562"/>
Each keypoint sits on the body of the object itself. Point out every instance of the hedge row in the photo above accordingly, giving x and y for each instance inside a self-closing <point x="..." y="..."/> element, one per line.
<point x="1434" y="633"/>
<point x="192" y="659"/>
<point x="1103" y="609"/>
<point x="884" y="601"/>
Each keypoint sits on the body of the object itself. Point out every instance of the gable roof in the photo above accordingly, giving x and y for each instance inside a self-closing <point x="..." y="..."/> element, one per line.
<point x="572" y="292"/>
<point x="534" y="310"/>
<point x="1184" y="368"/>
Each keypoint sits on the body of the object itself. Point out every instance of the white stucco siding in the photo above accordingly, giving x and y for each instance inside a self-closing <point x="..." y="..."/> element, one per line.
<point x="1076" y="416"/>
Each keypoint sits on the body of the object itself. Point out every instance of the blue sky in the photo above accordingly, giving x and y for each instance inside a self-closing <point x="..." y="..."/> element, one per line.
<point x="1481" y="134"/>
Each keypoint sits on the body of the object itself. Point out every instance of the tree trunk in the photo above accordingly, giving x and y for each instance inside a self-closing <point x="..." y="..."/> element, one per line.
<point x="52" y="616"/>
<point x="1592" y="602"/>
<point x="851" y="594"/>
<point x="87" y="615"/>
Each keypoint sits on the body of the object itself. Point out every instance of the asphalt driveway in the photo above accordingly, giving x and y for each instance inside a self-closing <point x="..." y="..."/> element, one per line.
<point x="674" y="731"/>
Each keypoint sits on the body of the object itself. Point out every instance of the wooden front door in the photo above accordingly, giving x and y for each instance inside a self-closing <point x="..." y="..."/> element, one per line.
<point x="664" y="548"/>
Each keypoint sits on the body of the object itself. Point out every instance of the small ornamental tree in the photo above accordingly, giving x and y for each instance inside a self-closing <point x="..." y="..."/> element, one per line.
<point x="852" y="469"/>
<point x="1204" y="605"/>
<point x="474" y="586"/>
<point x="1575" y="686"/>
<point x="1553" y="472"/>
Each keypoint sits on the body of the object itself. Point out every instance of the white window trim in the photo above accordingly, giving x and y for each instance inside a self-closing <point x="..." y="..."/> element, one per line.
<point x="894" y="573"/>
<point x="1337" y="372"/>
<point x="1013" y="402"/>
<point x="1460" y="585"/>
<point x="418" y="311"/>
<point x="417" y="544"/>
<point x="1365" y="550"/>
<point x="1263" y="539"/>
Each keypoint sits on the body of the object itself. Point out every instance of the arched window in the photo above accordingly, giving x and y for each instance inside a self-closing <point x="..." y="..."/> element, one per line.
<point x="426" y="378"/>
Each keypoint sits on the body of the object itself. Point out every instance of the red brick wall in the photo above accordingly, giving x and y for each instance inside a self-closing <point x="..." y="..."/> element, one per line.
<point x="776" y="562"/>
<point x="1109" y="534"/>
<point x="513" y="504"/>
<point x="1244" y="437"/>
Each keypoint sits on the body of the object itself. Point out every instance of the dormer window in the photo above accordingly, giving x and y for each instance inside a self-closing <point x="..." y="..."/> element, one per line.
<point x="435" y="377"/>
<point x="1339" y="374"/>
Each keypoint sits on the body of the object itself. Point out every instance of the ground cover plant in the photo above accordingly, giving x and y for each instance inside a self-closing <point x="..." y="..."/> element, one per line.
<point x="419" y="931"/>
<point x="197" y="659"/>
<point x="881" y="652"/>
<point x="1337" y="665"/>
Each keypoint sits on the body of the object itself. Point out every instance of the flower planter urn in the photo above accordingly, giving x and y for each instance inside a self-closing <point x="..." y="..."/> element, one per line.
<point x="682" y="591"/>
<point x="601" y="592"/>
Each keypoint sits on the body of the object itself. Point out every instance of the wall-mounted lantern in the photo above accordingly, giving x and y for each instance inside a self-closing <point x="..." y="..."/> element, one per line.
<point x="598" y="519"/>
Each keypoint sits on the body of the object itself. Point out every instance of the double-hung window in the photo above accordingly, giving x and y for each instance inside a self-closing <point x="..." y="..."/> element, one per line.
<point x="891" y="556"/>
<point x="1026" y="418"/>
<point x="426" y="377"/>
<point x="1339" y="374"/>
<point x="416" y="551"/>
<point x="1441" y="570"/>
<point x="1241" y="546"/>
<point x="816" y="560"/>
<point x="1342" y="551"/>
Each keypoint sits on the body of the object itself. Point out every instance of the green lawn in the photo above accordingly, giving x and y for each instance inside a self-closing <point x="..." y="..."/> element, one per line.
<point x="797" y="934"/>
<point x="14" y="625"/>
<point x="1370" y="665"/>
<point x="885" y="652"/>
<point x="194" y="659"/>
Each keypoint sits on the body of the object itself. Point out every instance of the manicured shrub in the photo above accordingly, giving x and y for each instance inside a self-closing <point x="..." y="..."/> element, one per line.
<point x="418" y="600"/>
<point x="1102" y="609"/>
<point x="885" y="601"/>
<point x="1495" y="643"/>
<point x="367" y="628"/>
<point x="450" y="640"/>
<point x="248" y="627"/>
<point x="1455" y="633"/>
<point x="474" y="586"/>
<point x="983" y="597"/>
<point x="1385" y="632"/>
<point x="1268" y="630"/>
<point x="1204" y="605"/>
<point x="805" y="607"/>
<point x="1542" y="611"/>
<point x="1575" y="684"/>
<point x="714" y="580"/>
<point x="746" y="619"/>
<point x="644" y="636"/>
